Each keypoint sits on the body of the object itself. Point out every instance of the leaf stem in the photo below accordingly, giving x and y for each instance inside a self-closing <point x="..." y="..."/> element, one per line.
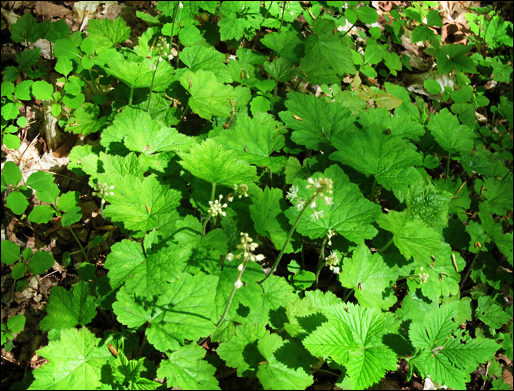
<point x="182" y="117"/>
<point x="387" y="245"/>
<point x="321" y="261"/>
<point x="290" y="233"/>
<point x="80" y="244"/>
<point x="469" y="269"/>
<point x="448" y="165"/>
<point x="151" y="85"/>
<point x="348" y="294"/>
<point x="373" y="186"/>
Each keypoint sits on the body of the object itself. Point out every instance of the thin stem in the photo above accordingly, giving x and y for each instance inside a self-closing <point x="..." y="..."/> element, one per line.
<point x="373" y="186"/>
<point x="182" y="117"/>
<point x="213" y="191"/>
<point x="131" y="94"/>
<point x="448" y="165"/>
<point x="321" y="261"/>
<point x="387" y="245"/>
<point x="283" y="13"/>
<point x="205" y="224"/>
<point x="94" y="83"/>
<point x="469" y="269"/>
<point x="80" y="244"/>
<point x="290" y="233"/>
<point x="227" y="307"/>
<point x="153" y="79"/>
<point x="297" y="84"/>
<point x="350" y="291"/>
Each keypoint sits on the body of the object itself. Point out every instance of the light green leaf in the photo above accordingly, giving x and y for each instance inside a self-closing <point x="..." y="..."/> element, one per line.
<point x="128" y="373"/>
<point x="42" y="90"/>
<point x="186" y="369"/>
<point x="72" y="216"/>
<point x="280" y="69"/>
<point x="16" y="323"/>
<point x="450" y="134"/>
<point x="69" y="308"/>
<point x="315" y="121"/>
<point x="11" y="173"/>
<point x="429" y="205"/>
<point x="367" y="14"/>
<point x="64" y="49"/>
<point x="41" y="214"/>
<point x="412" y="237"/>
<point x="40" y="181"/>
<point x="213" y="163"/>
<point x="182" y="312"/>
<point x="105" y="33"/>
<point x="75" y="362"/>
<point x="206" y="58"/>
<point x="85" y="120"/>
<point x="350" y="214"/>
<point x="10" y="252"/>
<point x="141" y="74"/>
<point x="370" y="277"/>
<point x="286" y="44"/>
<point x="491" y="313"/>
<point x="208" y="97"/>
<point x="17" y="202"/>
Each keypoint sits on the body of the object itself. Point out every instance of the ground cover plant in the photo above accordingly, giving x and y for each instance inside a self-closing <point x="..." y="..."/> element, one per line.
<point x="262" y="195"/>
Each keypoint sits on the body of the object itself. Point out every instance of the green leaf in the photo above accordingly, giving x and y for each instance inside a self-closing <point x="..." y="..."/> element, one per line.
<point x="389" y="158"/>
<point x="450" y="134"/>
<point x="186" y="369"/>
<point x="367" y="14"/>
<point x="10" y="252"/>
<point x="373" y="52"/>
<point x="240" y="19"/>
<point x="68" y="200"/>
<point x="75" y="362"/>
<point x="40" y="181"/>
<point x="433" y="18"/>
<point x="72" y="216"/>
<point x="11" y="173"/>
<point x="141" y="74"/>
<point x="491" y="313"/>
<point x="316" y="71"/>
<point x="182" y="312"/>
<point x="105" y="33"/>
<point x="255" y="140"/>
<point x="324" y="44"/>
<point x="18" y="271"/>
<point x="16" y="323"/>
<point x="128" y="373"/>
<point x="286" y="44"/>
<point x="411" y="236"/>
<point x="208" y="97"/>
<point x="280" y="69"/>
<point x="350" y="214"/>
<point x="41" y="214"/>
<point x="85" y="120"/>
<point x="370" y="277"/>
<point x="17" y="202"/>
<point x="429" y="205"/>
<point x="141" y="205"/>
<point x="206" y="58"/>
<point x="446" y="358"/>
<point x="452" y="57"/>
<point x="127" y="127"/>
<point x="432" y="86"/>
<point x="64" y="49"/>
<point x="49" y="195"/>
<point x="69" y="308"/>
<point x="58" y="30"/>
<point x="315" y="121"/>
<point x="211" y="162"/>
<point x="352" y="337"/>
<point x="42" y="90"/>
<point x="421" y="34"/>
<point x="27" y="28"/>
<point x="11" y="141"/>
<point x="499" y="194"/>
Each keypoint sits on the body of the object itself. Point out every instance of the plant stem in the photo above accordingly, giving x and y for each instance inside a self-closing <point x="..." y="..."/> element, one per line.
<point x="151" y="85"/>
<point x="182" y="117"/>
<point x="387" y="245"/>
<point x="448" y="165"/>
<point x="350" y="291"/>
<point x="80" y="244"/>
<point x="291" y="231"/>
<point x="205" y="223"/>
<point x="131" y="94"/>
<point x="469" y="269"/>
<point x="94" y="83"/>
<point x="373" y="186"/>
<point x="321" y="261"/>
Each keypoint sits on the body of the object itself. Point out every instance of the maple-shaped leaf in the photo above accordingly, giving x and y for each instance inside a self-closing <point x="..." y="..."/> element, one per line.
<point x="75" y="363"/>
<point x="183" y="311"/>
<point x="412" y="236"/>
<point x="286" y="365"/>
<point x="450" y="134"/>
<point x="142" y="74"/>
<point x="494" y="230"/>
<point x="213" y="163"/>
<point x="126" y="128"/>
<point x="208" y="59"/>
<point x="145" y="274"/>
<point x="69" y="308"/>
<point x="304" y="316"/>
<point x="239" y="19"/>
<point x="352" y="337"/>
<point x="390" y="159"/>
<point x="127" y="373"/>
<point x="208" y="96"/>
<point x="105" y="33"/>
<point x="316" y="70"/>
<point x="349" y="214"/>
<point x="267" y="213"/>
<point x="85" y="120"/>
<point x="277" y="292"/>
<point x="286" y="44"/>
<point x="140" y="205"/>
<point x="330" y="46"/>
<point x="499" y="194"/>
<point x="446" y="357"/>
<point x="370" y="277"/>
<point x="315" y="121"/>
<point x="491" y="313"/>
<point x="185" y="368"/>
<point x="254" y="140"/>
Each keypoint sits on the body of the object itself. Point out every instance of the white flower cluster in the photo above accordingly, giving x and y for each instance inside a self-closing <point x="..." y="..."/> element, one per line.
<point x="322" y="189"/>
<point x="103" y="191"/>
<point x="240" y="191"/>
<point x="332" y="261"/>
<point x="330" y="234"/>
<point x="166" y="49"/>
<point x="423" y="277"/>
<point x="216" y="207"/>
<point x="248" y="247"/>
